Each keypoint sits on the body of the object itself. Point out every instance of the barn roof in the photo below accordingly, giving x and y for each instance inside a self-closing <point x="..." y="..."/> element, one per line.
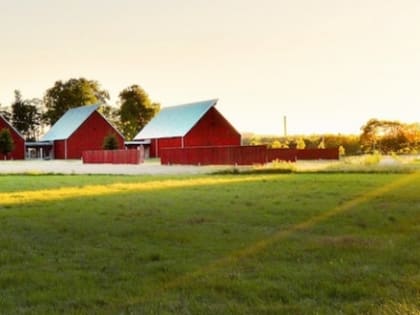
<point x="6" y="122"/>
<point x="69" y="123"/>
<point x="175" y="121"/>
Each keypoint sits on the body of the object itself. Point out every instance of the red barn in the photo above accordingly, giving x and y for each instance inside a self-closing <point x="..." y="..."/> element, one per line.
<point x="18" y="152"/>
<point x="189" y="125"/>
<point x="80" y="129"/>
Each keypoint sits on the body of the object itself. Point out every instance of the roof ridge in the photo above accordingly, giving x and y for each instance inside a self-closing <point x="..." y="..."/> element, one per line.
<point x="213" y="100"/>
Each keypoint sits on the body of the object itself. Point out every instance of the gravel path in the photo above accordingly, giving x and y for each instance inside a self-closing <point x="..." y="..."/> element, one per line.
<point x="150" y="167"/>
<point x="77" y="167"/>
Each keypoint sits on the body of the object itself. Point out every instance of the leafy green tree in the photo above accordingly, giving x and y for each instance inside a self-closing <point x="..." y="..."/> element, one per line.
<point x="110" y="142"/>
<point x="351" y="144"/>
<point x="136" y="110"/>
<point x="26" y="116"/>
<point x="5" y="112"/>
<point x="72" y="93"/>
<point x="110" y="113"/>
<point x="6" y="142"/>
<point x="312" y="142"/>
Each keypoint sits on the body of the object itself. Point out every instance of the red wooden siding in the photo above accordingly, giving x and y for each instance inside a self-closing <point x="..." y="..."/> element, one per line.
<point x="211" y="130"/>
<point x="60" y="149"/>
<point x="113" y="156"/>
<point x="89" y="136"/>
<point x="158" y="144"/>
<point x="18" y="152"/>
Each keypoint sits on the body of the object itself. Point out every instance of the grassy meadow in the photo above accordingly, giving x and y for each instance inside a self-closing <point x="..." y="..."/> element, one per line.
<point x="303" y="243"/>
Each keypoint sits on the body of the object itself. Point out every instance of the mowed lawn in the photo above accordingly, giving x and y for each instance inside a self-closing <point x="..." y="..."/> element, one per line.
<point x="207" y="244"/>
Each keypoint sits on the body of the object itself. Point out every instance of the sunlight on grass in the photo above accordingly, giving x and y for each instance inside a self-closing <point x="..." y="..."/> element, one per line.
<point x="98" y="190"/>
<point x="232" y="244"/>
<point x="399" y="308"/>
<point x="262" y="245"/>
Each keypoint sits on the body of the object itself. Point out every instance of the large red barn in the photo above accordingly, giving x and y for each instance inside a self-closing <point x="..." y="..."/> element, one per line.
<point x="80" y="129"/>
<point x="190" y="125"/>
<point x="18" y="152"/>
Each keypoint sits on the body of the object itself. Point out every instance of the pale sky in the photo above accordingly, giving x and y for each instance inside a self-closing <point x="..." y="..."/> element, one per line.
<point x="328" y="65"/>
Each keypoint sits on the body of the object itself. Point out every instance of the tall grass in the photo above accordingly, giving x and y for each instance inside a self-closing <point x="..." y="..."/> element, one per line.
<point x="369" y="163"/>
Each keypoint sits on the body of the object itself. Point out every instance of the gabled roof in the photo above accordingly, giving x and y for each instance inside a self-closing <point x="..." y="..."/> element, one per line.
<point x="11" y="126"/>
<point x="175" y="121"/>
<point x="69" y="123"/>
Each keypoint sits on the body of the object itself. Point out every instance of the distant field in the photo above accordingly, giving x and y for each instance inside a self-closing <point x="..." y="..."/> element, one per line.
<point x="210" y="244"/>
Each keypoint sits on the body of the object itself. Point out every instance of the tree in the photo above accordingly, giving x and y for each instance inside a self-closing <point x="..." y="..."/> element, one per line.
<point x="6" y="142"/>
<point x="72" y="93"/>
<point x="26" y="116"/>
<point x="300" y="144"/>
<point x="5" y="112"/>
<point x="385" y="136"/>
<point x="110" y="142"/>
<point x="321" y="144"/>
<point x="136" y="110"/>
<point x="110" y="113"/>
<point x="275" y="144"/>
<point x="412" y="136"/>
<point x="368" y="137"/>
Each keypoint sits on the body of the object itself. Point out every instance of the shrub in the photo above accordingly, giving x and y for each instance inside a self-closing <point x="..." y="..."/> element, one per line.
<point x="276" y="144"/>
<point x="372" y="159"/>
<point x="6" y="142"/>
<point x="110" y="142"/>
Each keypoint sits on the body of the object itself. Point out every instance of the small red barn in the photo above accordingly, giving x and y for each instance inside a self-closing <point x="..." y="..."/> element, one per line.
<point x="80" y="129"/>
<point x="18" y="152"/>
<point x="189" y="125"/>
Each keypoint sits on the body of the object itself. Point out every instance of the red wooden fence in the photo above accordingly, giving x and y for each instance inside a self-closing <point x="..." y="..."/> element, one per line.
<point x="223" y="155"/>
<point x="318" y="154"/>
<point x="288" y="155"/>
<point x="113" y="156"/>
<point x="240" y="155"/>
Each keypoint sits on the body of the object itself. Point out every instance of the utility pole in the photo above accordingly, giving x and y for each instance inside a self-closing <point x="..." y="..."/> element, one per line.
<point x="285" y="125"/>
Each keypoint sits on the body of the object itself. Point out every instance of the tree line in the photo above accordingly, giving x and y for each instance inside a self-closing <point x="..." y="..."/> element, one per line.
<point x="32" y="116"/>
<point x="383" y="136"/>
<point x="134" y="109"/>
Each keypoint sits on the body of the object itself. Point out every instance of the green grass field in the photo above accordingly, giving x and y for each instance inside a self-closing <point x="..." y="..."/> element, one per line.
<point x="210" y="244"/>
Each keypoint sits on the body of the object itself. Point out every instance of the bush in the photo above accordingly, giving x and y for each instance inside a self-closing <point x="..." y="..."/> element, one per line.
<point x="110" y="142"/>
<point x="6" y="142"/>
<point x="372" y="159"/>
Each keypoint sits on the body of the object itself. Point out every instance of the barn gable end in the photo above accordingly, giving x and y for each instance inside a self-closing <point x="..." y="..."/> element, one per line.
<point x="18" y="152"/>
<point x="80" y="129"/>
<point x="193" y="124"/>
<point x="212" y="130"/>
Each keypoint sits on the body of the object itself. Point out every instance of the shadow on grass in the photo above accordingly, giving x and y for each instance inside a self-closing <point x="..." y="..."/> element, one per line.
<point x="125" y="246"/>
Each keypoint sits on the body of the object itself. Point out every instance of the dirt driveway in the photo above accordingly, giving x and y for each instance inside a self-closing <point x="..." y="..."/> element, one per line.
<point x="77" y="167"/>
